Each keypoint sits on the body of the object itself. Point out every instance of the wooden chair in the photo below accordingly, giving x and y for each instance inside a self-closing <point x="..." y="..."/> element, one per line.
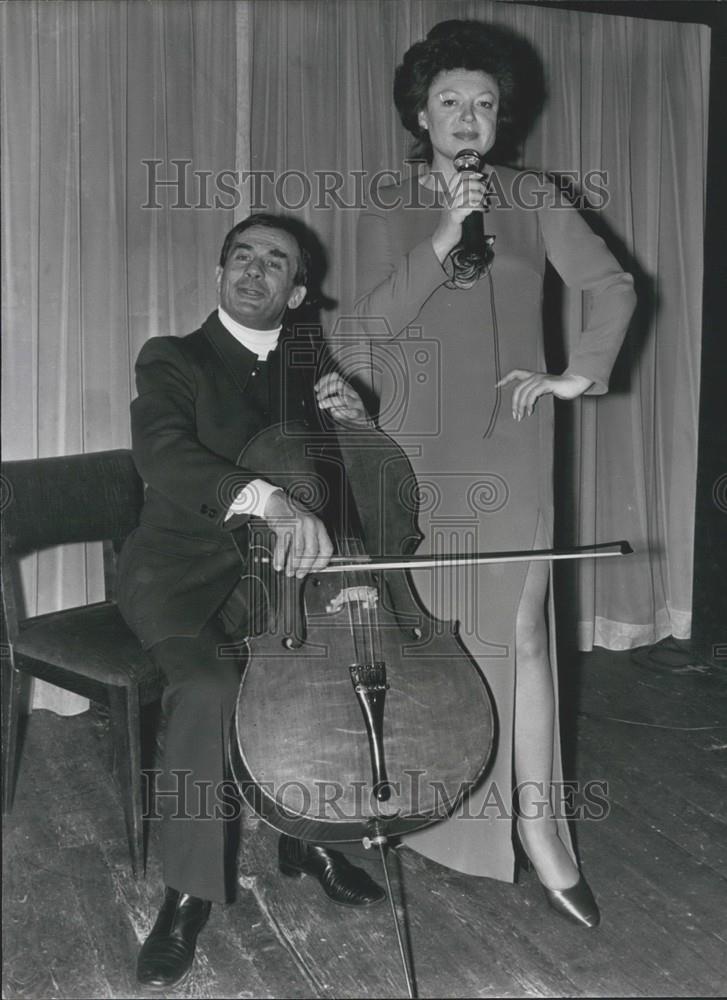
<point x="88" y="649"/>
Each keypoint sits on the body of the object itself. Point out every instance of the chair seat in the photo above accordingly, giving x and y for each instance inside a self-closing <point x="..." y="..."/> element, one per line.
<point x="92" y="641"/>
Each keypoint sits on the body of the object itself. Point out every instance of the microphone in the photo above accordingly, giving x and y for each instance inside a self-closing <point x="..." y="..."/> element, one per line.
<point x="473" y="227"/>
<point x="473" y="254"/>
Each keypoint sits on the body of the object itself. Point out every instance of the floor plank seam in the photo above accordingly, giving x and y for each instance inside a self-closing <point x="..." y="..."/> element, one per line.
<point x="283" y="939"/>
<point x="662" y="834"/>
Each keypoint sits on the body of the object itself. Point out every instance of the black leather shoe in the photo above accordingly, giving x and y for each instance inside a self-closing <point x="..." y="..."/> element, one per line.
<point x="167" y="954"/>
<point x="341" y="881"/>
<point x="575" y="904"/>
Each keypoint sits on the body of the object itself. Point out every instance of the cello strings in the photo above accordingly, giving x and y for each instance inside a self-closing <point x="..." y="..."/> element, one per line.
<point x="343" y="547"/>
<point x="355" y="617"/>
<point x="374" y="625"/>
<point x="370" y="629"/>
<point x="380" y="591"/>
<point x="358" y="584"/>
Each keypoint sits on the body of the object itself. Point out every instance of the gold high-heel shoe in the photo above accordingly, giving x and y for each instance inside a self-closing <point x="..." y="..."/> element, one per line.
<point x="576" y="903"/>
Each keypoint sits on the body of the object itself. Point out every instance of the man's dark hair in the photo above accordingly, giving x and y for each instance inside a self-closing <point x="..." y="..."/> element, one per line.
<point x="474" y="46"/>
<point x="283" y="222"/>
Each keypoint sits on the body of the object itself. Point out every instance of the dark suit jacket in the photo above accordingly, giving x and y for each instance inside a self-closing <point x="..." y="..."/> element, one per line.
<point x="193" y="416"/>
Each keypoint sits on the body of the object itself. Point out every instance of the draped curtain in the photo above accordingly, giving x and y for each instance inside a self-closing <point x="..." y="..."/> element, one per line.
<point x="96" y="257"/>
<point x="626" y="96"/>
<point x="101" y="97"/>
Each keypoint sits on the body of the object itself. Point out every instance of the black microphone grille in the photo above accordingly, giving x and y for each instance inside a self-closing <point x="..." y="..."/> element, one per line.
<point x="467" y="159"/>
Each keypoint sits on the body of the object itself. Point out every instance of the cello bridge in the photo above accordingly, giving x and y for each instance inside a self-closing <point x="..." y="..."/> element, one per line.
<point x="366" y="597"/>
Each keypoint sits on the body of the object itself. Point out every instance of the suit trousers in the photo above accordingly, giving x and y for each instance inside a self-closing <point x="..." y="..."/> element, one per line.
<point x="194" y="792"/>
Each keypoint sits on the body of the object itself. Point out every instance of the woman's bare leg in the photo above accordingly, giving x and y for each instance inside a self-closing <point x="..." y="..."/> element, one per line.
<point x="534" y="734"/>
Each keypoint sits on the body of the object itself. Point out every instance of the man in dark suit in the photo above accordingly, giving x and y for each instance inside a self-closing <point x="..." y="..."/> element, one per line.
<point x="201" y="399"/>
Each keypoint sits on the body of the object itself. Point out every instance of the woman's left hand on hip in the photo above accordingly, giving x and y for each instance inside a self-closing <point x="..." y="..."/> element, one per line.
<point x="531" y="385"/>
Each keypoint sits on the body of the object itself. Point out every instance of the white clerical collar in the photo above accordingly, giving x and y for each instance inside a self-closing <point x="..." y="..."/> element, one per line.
<point x="260" y="342"/>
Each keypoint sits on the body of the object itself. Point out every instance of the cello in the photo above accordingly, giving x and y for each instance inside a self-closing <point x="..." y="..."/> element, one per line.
<point x="358" y="714"/>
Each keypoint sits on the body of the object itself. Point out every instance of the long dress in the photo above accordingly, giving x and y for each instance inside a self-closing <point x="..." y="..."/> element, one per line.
<point x="484" y="479"/>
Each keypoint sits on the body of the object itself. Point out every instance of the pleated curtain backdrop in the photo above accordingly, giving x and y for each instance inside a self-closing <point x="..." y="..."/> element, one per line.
<point x="91" y="90"/>
<point x="626" y="96"/>
<point x="302" y="89"/>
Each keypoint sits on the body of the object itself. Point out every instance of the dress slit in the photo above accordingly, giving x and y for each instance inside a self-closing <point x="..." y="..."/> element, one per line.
<point x="478" y="838"/>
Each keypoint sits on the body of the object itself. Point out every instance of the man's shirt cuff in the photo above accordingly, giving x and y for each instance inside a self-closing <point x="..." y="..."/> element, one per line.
<point x="252" y="500"/>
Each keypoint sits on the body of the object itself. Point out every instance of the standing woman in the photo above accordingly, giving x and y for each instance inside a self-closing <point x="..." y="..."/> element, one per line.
<point x="480" y="435"/>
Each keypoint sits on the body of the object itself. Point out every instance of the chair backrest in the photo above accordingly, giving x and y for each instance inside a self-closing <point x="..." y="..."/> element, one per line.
<point x="75" y="498"/>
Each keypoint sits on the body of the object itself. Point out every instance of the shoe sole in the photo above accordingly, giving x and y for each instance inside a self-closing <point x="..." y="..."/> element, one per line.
<point x="152" y="988"/>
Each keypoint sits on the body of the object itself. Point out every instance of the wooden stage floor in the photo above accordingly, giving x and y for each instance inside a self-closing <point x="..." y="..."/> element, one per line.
<point x="74" y="916"/>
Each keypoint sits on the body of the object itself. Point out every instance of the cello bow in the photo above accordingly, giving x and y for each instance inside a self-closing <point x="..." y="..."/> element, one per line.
<point x="372" y="564"/>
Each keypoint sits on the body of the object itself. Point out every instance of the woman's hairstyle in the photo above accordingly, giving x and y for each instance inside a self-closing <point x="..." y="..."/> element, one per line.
<point x="472" y="45"/>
